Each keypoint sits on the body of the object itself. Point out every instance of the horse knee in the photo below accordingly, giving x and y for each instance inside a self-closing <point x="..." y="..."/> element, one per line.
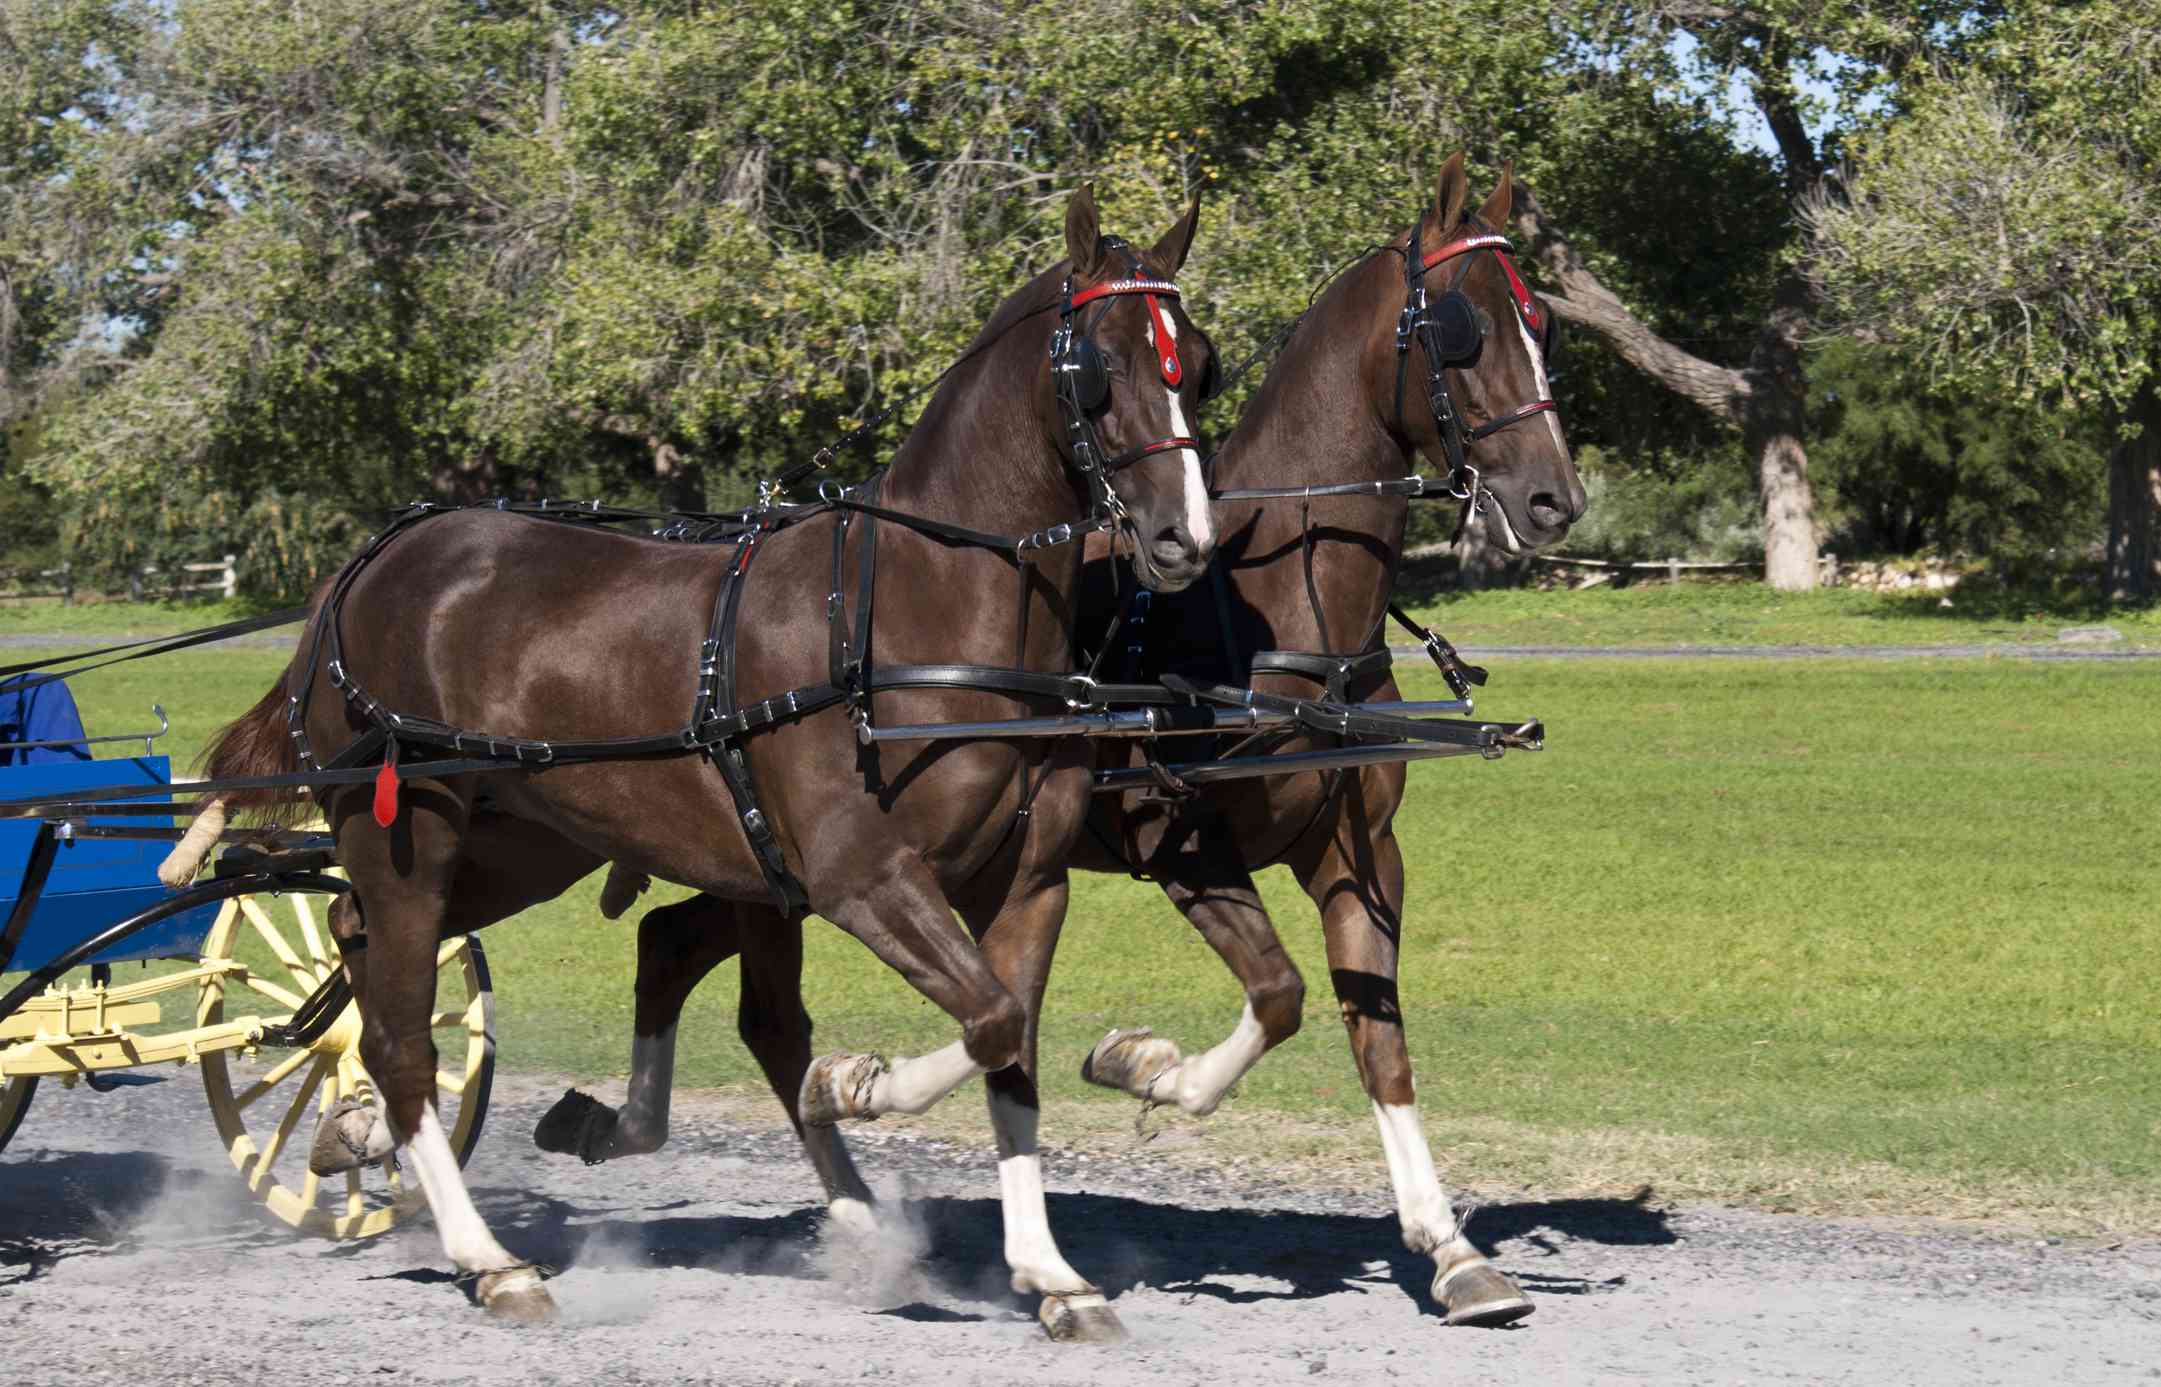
<point x="1279" y="1006"/>
<point x="677" y="945"/>
<point x="996" y="1037"/>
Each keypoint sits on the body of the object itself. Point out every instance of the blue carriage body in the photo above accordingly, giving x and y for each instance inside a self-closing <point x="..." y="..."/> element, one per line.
<point x="95" y="882"/>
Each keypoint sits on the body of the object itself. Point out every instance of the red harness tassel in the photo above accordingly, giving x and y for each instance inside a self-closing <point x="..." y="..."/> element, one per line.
<point x="386" y="789"/>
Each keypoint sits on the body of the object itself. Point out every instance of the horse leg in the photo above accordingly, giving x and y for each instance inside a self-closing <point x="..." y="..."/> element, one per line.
<point x="507" y="865"/>
<point x="404" y="876"/>
<point x="1019" y="945"/>
<point x="1357" y="881"/>
<point x="1207" y="880"/>
<point x="678" y="944"/>
<point x="775" y="1027"/>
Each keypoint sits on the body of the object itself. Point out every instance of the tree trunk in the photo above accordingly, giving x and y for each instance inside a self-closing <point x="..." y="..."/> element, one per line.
<point x="1765" y="400"/>
<point x="2133" y="572"/>
<point x="1771" y="422"/>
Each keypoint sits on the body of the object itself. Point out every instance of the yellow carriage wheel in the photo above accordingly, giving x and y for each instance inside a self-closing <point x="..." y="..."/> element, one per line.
<point x="267" y="1105"/>
<point x="15" y="1097"/>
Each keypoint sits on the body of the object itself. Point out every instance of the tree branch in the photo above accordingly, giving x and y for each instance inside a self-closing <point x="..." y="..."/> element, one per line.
<point x="1587" y="302"/>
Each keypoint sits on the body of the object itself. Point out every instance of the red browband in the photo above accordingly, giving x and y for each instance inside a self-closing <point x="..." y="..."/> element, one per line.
<point x="1125" y="286"/>
<point x="1494" y="241"/>
<point x="1174" y="371"/>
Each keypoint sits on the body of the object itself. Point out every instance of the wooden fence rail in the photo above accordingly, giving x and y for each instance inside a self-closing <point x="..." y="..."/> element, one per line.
<point x="1673" y="568"/>
<point x="221" y="577"/>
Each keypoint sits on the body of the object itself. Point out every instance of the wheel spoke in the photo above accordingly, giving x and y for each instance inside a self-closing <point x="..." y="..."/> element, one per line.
<point x="353" y="1206"/>
<point x="450" y="1083"/>
<point x="278" y="1138"/>
<point x="274" y="992"/>
<point x="468" y="1018"/>
<point x="449" y="950"/>
<point x="278" y="1074"/>
<point x="267" y="928"/>
<point x="304" y="911"/>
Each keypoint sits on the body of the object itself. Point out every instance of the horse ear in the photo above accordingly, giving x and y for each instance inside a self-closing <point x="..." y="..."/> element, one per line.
<point x="1083" y="232"/>
<point x="1449" y="198"/>
<point x="1170" y="252"/>
<point x="1502" y="205"/>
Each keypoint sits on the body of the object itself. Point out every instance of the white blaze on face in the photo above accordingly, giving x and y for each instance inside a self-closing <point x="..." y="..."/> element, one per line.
<point x="1198" y="524"/>
<point x="1538" y="370"/>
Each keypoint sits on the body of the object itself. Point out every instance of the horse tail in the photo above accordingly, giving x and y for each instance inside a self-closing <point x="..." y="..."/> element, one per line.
<point x="257" y="743"/>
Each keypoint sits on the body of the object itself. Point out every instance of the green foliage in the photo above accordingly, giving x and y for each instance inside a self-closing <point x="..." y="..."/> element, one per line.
<point x="2004" y="226"/>
<point x="1655" y="507"/>
<point x="328" y="257"/>
<point x="1909" y="468"/>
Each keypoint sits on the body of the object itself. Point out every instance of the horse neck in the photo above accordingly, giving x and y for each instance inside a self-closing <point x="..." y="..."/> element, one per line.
<point x="980" y="458"/>
<point x="1316" y="420"/>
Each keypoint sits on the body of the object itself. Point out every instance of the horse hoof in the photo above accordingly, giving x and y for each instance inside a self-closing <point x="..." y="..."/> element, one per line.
<point x="1478" y="1294"/>
<point x="578" y="1125"/>
<point x="1131" y="1062"/>
<point x="1085" y="1318"/>
<point x="838" y="1087"/>
<point x="350" y="1136"/>
<point x="516" y="1295"/>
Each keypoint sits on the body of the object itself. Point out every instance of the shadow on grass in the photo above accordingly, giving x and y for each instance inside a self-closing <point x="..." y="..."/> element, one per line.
<point x="1291" y="1254"/>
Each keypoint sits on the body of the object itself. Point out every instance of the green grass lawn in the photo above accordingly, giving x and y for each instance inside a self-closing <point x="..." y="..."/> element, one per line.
<point x="1705" y="612"/>
<point x="1821" y="935"/>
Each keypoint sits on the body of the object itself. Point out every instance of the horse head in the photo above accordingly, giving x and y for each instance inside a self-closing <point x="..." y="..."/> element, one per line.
<point x="1468" y="374"/>
<point x="1126" y="374"/>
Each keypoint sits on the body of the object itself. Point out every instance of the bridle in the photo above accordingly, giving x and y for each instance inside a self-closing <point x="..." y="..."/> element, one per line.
<point x="1081" y="379"/>
<point x="1451" y="331"/>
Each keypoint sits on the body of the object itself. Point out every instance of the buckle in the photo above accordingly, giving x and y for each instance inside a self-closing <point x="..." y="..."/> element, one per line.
<point x="1087" y="686"/>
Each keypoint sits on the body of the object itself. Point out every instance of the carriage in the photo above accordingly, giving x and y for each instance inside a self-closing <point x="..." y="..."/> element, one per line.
<point x="236" y="976"/>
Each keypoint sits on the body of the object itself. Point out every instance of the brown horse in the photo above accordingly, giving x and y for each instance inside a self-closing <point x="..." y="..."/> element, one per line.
<point x="534" y="629"/>
<point x="1341" y="405"/>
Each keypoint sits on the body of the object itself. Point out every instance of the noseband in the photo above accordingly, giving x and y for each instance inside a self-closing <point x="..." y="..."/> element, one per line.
<point x="1082" y="378"/>
<point x="1439" y="325"/>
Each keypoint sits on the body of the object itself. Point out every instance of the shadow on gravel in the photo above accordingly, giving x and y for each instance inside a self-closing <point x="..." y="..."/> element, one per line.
<point x="1117" y="1242"/>
<point x="69" y="1204"/>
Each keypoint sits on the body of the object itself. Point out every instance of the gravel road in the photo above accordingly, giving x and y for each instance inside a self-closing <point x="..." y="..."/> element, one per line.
<point x="128" y="1255"/>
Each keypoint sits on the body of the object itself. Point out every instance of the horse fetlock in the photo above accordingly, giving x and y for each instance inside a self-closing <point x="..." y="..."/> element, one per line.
<point x="1082" y="1317"/>
<point x="351" y="1135"/>
<point x="838" y="1087"/>
<point x="1133" y="1062"/>
<point x="515" y="1294"/>
<point x="1475" y="1292"/>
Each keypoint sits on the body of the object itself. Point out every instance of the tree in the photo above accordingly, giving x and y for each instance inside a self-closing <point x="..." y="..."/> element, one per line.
<point x="2004" y="231"/>
<point x="1777" y="51"/>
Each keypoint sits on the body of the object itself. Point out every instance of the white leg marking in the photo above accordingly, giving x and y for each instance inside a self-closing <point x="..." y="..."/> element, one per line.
<point x="1198" y="522"/>
<point x="1200" y="1084"/>
<point x="1421" y="1204"/>
<point x="914" y="1086"/>
<point x="466" y="1239"/>
<point x="1030" y="1250"/>
<point x="1538" y="369"/>
<point x="644" y="1118"/>
<point x="829" y="1156"/>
